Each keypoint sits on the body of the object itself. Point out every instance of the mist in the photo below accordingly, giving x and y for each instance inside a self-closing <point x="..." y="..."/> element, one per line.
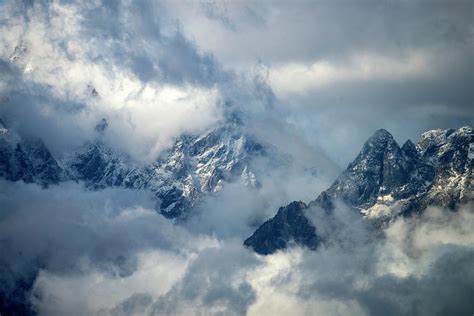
<point x="109" y="252"/>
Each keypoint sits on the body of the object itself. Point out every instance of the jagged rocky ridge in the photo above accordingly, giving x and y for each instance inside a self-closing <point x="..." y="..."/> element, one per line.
<point x="27" y="160"/>
<point x="193" y="167"/>
<point x="289" y="225"/>
<point x="384" y="181"/>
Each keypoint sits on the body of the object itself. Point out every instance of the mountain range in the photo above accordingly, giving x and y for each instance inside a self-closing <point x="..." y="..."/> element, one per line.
<point x="194" y="166"/>
<point x="384" y="181"/>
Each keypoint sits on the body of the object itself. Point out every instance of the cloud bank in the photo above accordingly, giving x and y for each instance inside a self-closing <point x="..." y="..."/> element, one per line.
<point x="108" y="252"/>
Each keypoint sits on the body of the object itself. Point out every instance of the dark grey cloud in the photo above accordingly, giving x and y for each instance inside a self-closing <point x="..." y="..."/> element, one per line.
<point x="312" y="30"/>
<point x="441" y="290"/>
<point x="429" y="42"/>
<point x="213" y="282"/>
<point x="68" y="232"/>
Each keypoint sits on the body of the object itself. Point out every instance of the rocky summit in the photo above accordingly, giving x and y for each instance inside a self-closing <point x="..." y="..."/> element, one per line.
<point x="384" y="181"/>
<point x="289" y="225"/>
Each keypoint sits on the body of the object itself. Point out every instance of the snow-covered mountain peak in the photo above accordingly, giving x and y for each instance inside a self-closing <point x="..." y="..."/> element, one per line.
<point x="448" y="148"/>
<point x="194" y="166"/>
<point x="385" y="181"/>
<point x="381" y="168"/>
<point x="378" y="147"/>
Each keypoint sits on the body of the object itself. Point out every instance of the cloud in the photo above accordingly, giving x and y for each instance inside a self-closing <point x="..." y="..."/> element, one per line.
<point x="344" y="70"/>
<point x="146" y="83"/>
<point x="227" y="215"/>
<point x="93" y="291"/>
<point x="114" y="255"/>
<point x="105" y="245"/>
<point x="298" y="78"/>
<point x="363" y="273"/>
<point x="214" y="284"/>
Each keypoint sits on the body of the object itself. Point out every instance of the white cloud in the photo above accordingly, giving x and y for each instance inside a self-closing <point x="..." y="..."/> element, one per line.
<point x="302" y="78"/>
<point x="412" y="244"/>
<point x="277" y="295"/>
<point x="63" y="56"/>
<point x="93" y="291"/>
<point x="113" y="255"/>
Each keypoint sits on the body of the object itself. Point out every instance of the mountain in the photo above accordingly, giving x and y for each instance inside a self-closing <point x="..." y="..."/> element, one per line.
<point x="27" y="160"/>
<point x="451" y="153"/>
<point x="384" y="181"/>
<point x="289" y="225"/>
<point x="196" y="165"/>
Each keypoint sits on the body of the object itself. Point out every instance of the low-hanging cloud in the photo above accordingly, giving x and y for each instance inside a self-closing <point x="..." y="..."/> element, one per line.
<point x="114" y="255"/>
<point x="406" y="272"/>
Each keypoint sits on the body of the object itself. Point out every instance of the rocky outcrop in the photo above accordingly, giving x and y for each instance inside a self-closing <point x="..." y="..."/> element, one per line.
<point x="289" y="225"/>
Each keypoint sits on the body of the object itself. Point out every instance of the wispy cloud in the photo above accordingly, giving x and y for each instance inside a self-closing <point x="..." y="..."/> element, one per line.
<point x="301" y="78"/>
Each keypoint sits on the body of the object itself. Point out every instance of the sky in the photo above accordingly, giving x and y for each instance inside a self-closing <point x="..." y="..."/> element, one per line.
<point x="343" y="68"/>
<point x="314" y="78"/>
<point x="331" y="71"/>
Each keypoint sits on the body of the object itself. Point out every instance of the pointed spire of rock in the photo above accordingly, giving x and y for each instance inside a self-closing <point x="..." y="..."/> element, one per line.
<point x="289" y="225"/>
<point x="92" y="91"/>
<point x="381" y="134"/>
<point x="378" y="169"/>
<point x="101" y="126"/>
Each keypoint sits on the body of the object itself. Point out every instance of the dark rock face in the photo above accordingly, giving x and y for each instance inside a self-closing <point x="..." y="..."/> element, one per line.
<point x="289" y="225"/>
<point x="385" y="181"/>
<point x="382" y="168"/>
<point x="28" y="161"/>
<point x="102" y="125"/>
<point x="98" y="167"/>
